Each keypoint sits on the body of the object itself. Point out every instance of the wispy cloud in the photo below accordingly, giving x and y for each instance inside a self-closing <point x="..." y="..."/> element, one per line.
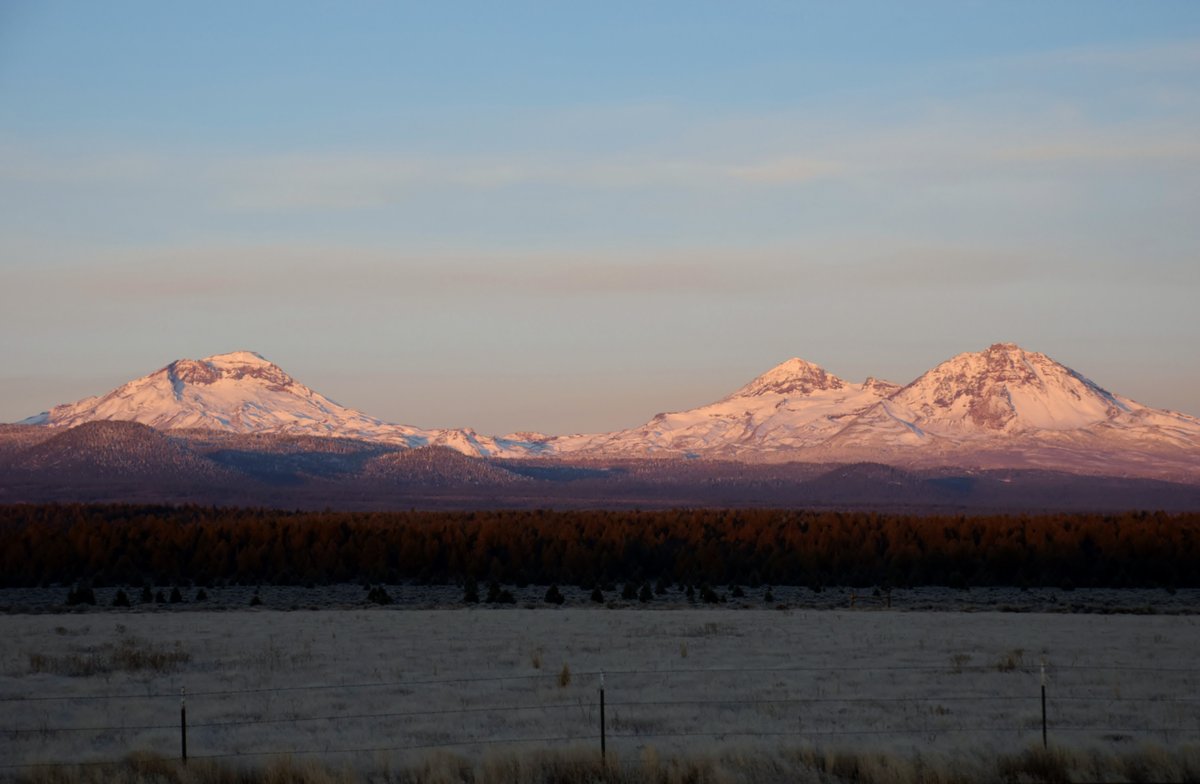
<point x="248" y="274"/>
<point x="1171" y="55"/>
<point x="922" y="151"/>
<point x="364" y="180"/>
<point x="341" y="181"/>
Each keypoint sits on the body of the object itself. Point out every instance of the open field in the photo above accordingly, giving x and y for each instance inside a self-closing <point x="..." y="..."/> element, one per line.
<point x="385" y="688"/>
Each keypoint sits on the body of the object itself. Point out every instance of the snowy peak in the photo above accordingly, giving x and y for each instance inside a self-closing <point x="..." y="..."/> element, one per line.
<point x="879" y="387"/>
<point x="794" y="377"/>
<point x="1006" y="389"/>
<point x="792" y="406"/>
<point x="238" y="358"/>
<point x="243" y="392"/>
<point x="239" y="392"/>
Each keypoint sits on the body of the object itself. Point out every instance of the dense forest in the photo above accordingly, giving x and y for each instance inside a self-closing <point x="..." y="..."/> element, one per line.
<point x="132" y="545"/>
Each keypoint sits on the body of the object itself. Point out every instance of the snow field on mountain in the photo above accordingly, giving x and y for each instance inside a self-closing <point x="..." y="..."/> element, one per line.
<point x="685" y="680"/>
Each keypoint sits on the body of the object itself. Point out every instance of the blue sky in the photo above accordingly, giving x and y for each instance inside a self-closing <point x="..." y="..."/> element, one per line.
<point x="568" y="217"/>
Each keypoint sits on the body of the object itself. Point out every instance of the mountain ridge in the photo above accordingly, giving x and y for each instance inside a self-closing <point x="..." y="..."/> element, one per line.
<point x="1003" y="407"/>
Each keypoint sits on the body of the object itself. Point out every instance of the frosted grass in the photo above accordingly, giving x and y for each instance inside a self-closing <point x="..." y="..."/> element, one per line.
<point x="386" y="686"/>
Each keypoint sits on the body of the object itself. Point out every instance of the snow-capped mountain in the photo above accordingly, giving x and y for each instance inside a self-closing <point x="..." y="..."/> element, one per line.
<point x="1005" y="389"/>
<point x="1001" y="407"/>
<point x="1008" y="405"/>
<point x="242" y="392"/>
<point x="792" y="406"/>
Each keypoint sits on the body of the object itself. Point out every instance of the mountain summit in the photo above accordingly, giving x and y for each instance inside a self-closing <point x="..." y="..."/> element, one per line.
<point x="1006" y="389"/>
<point x="793" y="406"/>
<point x="240" y="392"/>
<point x="794" y="377"/>
<point x="243" y="392"/>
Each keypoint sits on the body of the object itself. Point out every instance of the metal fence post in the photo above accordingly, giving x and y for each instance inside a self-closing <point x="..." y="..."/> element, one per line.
<point x="183" y="724"/>
<point x="603" y="738"/>
<point x="1044" y="742"/>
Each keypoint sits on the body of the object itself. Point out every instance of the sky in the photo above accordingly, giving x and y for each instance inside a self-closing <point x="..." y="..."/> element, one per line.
<point x="567" y="217"/>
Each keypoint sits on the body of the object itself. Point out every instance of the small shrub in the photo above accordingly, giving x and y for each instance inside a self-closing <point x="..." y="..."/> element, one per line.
<point x="691" y="594"/>
<point x="683" y="650"/>
<point x="176" y="596"/>
<point x="147" y="597"/>
<point x="498" y="595"/>
<point x="769" y="596"/>
<point x="121" y="599"/>
<point x="958" y="660"/>
<point x="201" y="595"/>
<point x="255" y="600"/>
<point x="564" y="677"/>
<point x="535" y="659"/>
<point x="379" y="595"/>
<point x="554" y="596"/>
<point x="471" y="591"/>
<point x="662" y="586"/>
<point x="645" y="594"/>
<point x="708" y="595"/>
<point x="81" y="594"/>
<point x="160" y="597"/>
<point x="736" y="592"/>
<point x="629" y="592"/>
<point x="597" y="595"/>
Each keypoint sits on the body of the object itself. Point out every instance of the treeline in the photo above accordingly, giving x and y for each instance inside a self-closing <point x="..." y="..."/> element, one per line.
<point x="130" y="545"/>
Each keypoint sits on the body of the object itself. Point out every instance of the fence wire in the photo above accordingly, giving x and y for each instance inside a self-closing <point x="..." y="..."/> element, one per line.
<point x="621" y="678"/>
<point x="707" y="671"/>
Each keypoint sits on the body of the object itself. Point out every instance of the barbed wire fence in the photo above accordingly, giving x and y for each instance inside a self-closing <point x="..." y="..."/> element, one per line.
<point x="622" y="711"/>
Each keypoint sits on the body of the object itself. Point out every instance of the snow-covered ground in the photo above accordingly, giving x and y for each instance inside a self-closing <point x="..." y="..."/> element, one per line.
<point x="377" y="686"/>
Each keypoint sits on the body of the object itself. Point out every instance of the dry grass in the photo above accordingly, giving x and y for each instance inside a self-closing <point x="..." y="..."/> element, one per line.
<point x="152" y="769"/>
<point x="130" y="654"/>
<point x="1011" y="660"/>
<point x="729" y="766"/>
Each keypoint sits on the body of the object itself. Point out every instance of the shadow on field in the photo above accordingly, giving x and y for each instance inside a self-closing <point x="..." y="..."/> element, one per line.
<point x="730" y="765"/>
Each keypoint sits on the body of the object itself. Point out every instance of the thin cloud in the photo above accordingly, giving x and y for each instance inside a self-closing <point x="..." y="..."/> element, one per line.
<point x="1100" y="150"/>
<point x="1182" y="54"/>
<point x="242" y="273"/>
<point x="352" y="181"/>
<point x="277" y="273"/>
<point x="319" y="180"/>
